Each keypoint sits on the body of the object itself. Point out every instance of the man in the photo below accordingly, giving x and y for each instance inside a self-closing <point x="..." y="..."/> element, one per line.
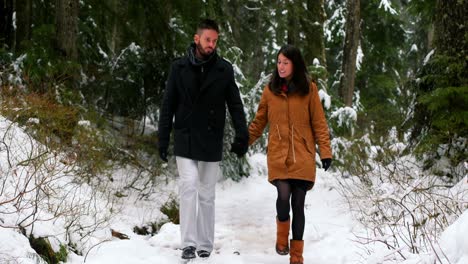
<point x="199" y="87"/>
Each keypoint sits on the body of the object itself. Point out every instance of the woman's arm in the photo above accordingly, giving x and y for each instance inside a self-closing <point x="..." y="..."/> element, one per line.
<point x="260" y="121"/>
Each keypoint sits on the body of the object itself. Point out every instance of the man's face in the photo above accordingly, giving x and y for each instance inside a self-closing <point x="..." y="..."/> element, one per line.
<point x="205" y="41"/>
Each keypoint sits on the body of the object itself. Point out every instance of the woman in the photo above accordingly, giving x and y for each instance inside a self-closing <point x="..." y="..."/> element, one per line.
<point x="290" y="104"/>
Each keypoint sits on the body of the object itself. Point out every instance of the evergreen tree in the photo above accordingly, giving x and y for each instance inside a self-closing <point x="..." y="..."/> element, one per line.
<point x="382" y="69"/>
<point x="118" y="53"/>
<point x="441" y="122"/>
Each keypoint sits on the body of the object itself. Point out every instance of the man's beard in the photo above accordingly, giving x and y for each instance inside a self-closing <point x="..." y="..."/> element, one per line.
<point x="202" y="52"/>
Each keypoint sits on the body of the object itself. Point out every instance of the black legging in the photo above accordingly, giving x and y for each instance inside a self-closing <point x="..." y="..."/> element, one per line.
<point x="296" y="189"/>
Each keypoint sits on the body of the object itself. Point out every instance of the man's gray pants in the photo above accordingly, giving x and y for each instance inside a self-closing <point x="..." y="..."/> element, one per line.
<point x="197" y="184"/>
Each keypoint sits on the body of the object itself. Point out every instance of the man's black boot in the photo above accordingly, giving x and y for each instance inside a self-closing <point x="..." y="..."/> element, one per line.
<point x="188" y="252"/>
<point x="203" y="253"/>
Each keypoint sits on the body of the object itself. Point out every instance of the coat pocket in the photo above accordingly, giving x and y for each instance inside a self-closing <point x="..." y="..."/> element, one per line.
<point x="182" y="141"/>
<point x="309" y="145"/>
<point x="276" y="152"/>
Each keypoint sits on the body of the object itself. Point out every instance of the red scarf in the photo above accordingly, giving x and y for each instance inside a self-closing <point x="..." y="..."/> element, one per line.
<point x="284" y="88"/>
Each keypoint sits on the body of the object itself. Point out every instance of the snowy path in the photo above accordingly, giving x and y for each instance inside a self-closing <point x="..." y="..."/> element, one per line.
<point x="245" y="228"/>
<point x="245" y="224"/>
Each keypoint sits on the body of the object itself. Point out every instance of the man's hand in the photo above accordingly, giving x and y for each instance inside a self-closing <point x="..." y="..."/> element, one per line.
<point x="326" y="164"/>
<point x="163" y="154"/>
<point x="239" y="148"/>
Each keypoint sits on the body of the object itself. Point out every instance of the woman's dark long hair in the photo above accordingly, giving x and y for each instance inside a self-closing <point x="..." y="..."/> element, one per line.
<point x="299" y="79"/>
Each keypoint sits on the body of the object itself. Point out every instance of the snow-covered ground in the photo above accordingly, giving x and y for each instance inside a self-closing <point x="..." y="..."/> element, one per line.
<point x="245" y="227"/>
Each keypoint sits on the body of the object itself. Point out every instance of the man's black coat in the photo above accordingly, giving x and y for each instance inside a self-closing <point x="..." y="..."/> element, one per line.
<point x="197" y="95"/>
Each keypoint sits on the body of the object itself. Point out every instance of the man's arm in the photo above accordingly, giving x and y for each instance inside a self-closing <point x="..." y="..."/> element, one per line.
<point x="236" y="110"/>
<point x="166" y="114"/>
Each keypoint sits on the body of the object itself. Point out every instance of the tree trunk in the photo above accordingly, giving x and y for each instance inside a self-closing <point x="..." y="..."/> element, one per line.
<point x="350" y="52"/>
<point x="23" y="23"/>
<point x="117" y="41"/>
<point x="67" y="27"/>
<point x="450" y="27"/>
<point x="293" y="23"/>
<point x="258" y="54"/>
<point x="312" y="26"/>
<point x="6" y="24"/>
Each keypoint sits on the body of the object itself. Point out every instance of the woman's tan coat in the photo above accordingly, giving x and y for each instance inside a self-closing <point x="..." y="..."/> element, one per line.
<point x="297" y="123"/>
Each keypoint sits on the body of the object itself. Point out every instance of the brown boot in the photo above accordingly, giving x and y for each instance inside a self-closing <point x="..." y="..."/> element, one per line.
<point x="297" y="246"/>
<point x="282" y="237"/>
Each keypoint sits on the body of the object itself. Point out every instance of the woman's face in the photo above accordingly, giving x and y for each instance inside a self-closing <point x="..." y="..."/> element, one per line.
<point x="285" y="67"/>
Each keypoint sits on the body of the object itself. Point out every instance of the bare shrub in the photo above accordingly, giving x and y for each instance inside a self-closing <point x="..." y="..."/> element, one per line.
<point x="401" y="207"/>
<point x="38" y="185"/>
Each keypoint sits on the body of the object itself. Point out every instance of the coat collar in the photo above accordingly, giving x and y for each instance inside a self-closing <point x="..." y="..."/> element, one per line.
<point x="212" y="75"/>
<point x="214" y="68"/>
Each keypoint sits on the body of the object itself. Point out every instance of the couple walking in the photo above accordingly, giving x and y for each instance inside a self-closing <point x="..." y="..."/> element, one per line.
<point x="199" y="87"/>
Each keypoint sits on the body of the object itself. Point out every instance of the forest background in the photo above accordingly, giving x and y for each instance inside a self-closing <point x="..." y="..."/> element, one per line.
<point x="386" y="65"/>
<point x="86" y="78"/>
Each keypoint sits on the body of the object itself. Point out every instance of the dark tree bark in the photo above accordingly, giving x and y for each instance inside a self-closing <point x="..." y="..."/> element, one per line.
<point x="258" y="55"/>
<point x="350" y="52"/>
<point x="245" y="32"/>
<point x="117" y="40"/>
<point x="23" y="23"/>
<point x="450" y="27"/>
<point x="6" y="24"/>
<point x="312" y="26"/>
<point x="305" y="29"/>
<point x="293" y="23"/>
<point x="66" y="15"/>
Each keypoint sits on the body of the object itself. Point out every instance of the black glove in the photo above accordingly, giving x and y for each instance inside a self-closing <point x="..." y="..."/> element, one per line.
<point x="163" y="154"/>
<point x="326" y="163"/>
<point x="239" y="148"/>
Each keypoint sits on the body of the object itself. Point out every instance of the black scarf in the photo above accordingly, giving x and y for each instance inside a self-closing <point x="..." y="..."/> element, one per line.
<point x="202" y="67"/>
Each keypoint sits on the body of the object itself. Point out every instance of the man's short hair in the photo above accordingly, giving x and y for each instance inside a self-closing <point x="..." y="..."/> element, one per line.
<point x="207" y="24"/>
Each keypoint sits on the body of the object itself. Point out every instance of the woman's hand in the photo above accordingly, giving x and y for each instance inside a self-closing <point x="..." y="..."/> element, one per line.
<point x="326" y="163"/>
